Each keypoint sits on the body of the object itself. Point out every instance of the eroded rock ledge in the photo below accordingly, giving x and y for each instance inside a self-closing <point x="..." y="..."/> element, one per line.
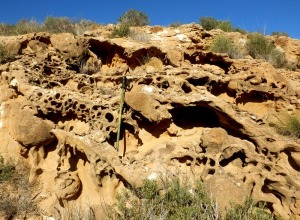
<point x="187" y="111"/>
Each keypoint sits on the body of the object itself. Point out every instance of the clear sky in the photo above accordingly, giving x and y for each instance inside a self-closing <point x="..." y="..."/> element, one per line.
<point x="255" y="15"/>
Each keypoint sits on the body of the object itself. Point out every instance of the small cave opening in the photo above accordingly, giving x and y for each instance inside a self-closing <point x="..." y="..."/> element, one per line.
<point x="50" y="147"/>
<point x="291" y="161"/>
<point x="154" y="128"/>
<point x="267" y="188"/>
<point x="237" y="155"/>
<point x="218" y="88"/>
<point x="186" y="88"/>
<point x="143" y="56"/>
<point x="145" y="80"/>
<point x="125" y="127"/>
<point x="56" y="117"/>
<point x="188" y="117"/>
<point x="201" y="161"/>
<point x="75" y="157"/>
<point x="255" y="96"/>
<point x="184" y="159"/>
<point x="112" y="137"/>
<point x="198" y="81"/>
<point x="201" y="57"/>
<point x="106" y="50"/>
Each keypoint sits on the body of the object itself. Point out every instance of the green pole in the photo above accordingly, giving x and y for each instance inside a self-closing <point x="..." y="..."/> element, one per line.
<point x="121" y="110"/>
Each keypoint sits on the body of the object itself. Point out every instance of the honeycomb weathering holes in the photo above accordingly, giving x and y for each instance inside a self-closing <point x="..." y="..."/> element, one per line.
<point x="109" y="117"/>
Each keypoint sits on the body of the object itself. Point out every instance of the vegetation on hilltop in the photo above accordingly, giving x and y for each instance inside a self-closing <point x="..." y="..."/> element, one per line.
<point x="257" y="46"/>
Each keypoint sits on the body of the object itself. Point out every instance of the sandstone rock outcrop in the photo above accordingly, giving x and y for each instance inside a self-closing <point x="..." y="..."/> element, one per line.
<point x="188" y="111"/>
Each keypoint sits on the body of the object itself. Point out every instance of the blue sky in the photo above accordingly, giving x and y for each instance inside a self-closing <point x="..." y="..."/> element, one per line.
<point x="255" y="15"/>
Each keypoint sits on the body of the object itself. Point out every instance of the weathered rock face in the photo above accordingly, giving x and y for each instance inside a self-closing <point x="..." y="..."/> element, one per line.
<point x="187" y="111"/>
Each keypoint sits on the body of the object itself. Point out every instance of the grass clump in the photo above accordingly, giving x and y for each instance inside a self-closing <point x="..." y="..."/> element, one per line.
<point x="248" y="211"/>
<point x="289" y="125"/>
<point x="259" y="47"/>
<point x="222" y="44"/>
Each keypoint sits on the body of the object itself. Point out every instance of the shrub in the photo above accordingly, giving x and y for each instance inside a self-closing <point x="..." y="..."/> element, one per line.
<point x="26" y="26"/>
<point x="134" y="18"/>
<point x="120" y="31"/>
<point x="16" y="192"/>
<point x="210" y="23"/>
<point x="259" y="47"/>
<point x="176" y="201"/>
<point x="176" y="24"/>
<point x="222" y="44"/>
<point x="6" y="29"/>
<point x="248" y="211"/>
<point x="59" y="25"/>
<point x="289" y="125"/>
<point x="240" y="30"/>
<point x="5" y="56"/>
<point x="83" y="25"/>
<point x="280" y="33"/>
<point x="6" y="171"/>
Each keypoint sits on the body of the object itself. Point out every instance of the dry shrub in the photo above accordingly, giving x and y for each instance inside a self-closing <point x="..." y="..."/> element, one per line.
<point x="156" y="29"/>
<point x="139" y="36"/>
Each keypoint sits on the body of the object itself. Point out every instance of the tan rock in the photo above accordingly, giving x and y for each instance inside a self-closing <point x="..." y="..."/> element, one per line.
<point x="175" y="57"/>
<point x="213" y="139"/>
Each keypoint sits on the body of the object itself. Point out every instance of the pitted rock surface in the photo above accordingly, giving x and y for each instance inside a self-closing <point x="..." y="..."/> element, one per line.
<point x="187" y="111"/>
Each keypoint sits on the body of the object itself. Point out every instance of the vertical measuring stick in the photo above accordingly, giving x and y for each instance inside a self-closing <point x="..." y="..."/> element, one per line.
<point x="121" y="110"/>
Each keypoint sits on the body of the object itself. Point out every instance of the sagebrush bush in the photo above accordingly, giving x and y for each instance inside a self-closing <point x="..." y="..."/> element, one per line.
<point x="222" y="44"/>
<point x="259" y="47"/>
<point x="134" y="18"/>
